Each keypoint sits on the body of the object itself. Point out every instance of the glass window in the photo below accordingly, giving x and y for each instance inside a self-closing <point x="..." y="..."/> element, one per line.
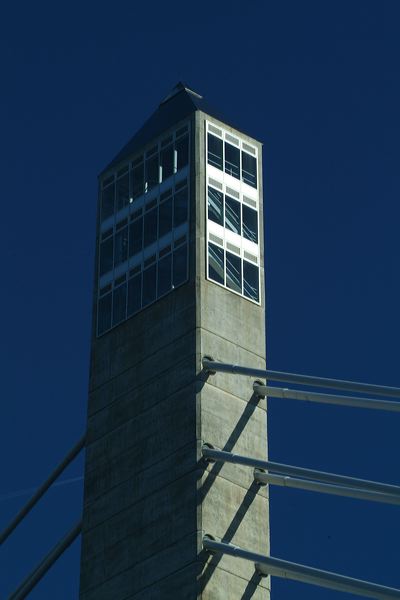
<point x="250" y="224"/>
<point x="119" y="304"/>
<point x="167" y="162"/>
<point x="121" y="246"/>
<point x="232" y="160"/>
<point x="249" y="169"/>
<point x="216" y="263"/>
<point x="180" y="207"/>
<point x="134" y="294"/>
<point x="104" y="314"/>
<point x="122" y="191"/>
<point x="152" y="172"/>
<point x="182" y="151"/>
<point x="232" y="215"/>
<point x="164" y="282"/>
<point x="149" y="285"/>
<point x="180" y="265"/>
<point x="234" y="272"/>
<point x="215" y="206"/>
<point x="150" y="227"/>
<point x="106" y="256"/>
<point x="107" y="202"/>
<point x="135" y="236"/>
<point x="137" y="184"/>
<point x="165" y="217"/>
<point x="250" y="281"/>
<point x="215" y="145"/>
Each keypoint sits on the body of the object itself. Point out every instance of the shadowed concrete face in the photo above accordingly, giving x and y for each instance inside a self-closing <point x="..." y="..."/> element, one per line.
<point x="149" y="495"/>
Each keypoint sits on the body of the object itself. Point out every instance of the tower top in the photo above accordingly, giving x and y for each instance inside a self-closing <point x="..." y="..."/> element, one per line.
<point x="181" y="102"/>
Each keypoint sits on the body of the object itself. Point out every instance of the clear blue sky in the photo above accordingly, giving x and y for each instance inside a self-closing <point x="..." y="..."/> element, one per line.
<point x="319" y="84"/>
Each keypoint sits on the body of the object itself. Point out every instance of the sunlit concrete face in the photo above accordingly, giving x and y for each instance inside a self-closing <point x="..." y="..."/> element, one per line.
<point x="149" y="497"/>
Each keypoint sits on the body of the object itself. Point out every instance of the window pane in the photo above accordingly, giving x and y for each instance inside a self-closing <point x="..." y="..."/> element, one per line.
<point x="249" y="169"/>
<point x="122" y="191"/>
<point x="250" y="224"/>
<point x="165" y="217"/>
<point x="167" y="162"/>
<point x="180" y="266"/>
<point x="250" y="281"/>
<point x="232" y="215"/>
<point x="216" y="263"/>
<point x="152" y="173"/>
<point x="135" y="236"/>
<point x="182" y="150"/>
<point x="134" y="294"/>
<point x="107" y="202"/>
<point x="106" y="255"/>
<point x="214" y="151"/>
<point x="121" y="246"/>
<point x="180" y="207"/>
<point x="137" y="180"/>
<point x="232" y="160"/>
<point x="164" y="275"/>
<point x="119" y="304"/>
<point x="234" y="272"/>
<point x="215" y="206"/>
<point x="104" y="314"/>
<point x="149" y="285"/>
<point x="150" y="227"/>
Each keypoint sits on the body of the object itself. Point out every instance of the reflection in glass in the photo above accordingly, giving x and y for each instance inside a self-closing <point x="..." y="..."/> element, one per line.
<point x="182" y="151"/>
<point x="107" y="202"/>
<point x="232" y="160"/>
<point x="250" y="281"/>
<point x="149" y="285"/>
<point x="135" y="236"/>
<point x="216" y="263"/>
<point x="104" y="314"/>
<point x="234" y="272"/>
<point x="137" y="175"/>
<point x="215" y="206"/>
<point x="152" y="172"/>
<point x="250" y="224"/>
<point x="165" y="217"/>
<point x="180" y="207"/>
<point x="232" y="215"/>
<point x="150" y="227"/>
<point x="106" y="255"/>
<point x="167" y="162"/>
<point x="119" y="304"/>
<point x="180" y="265"/>
<point x="122" y="191"/>
<point x="164" y="275"/>
<point x="134" y="294"/>
<point x="121" y="246"/>
<point x="215" y="145"/>
<point x="249" y="169"/>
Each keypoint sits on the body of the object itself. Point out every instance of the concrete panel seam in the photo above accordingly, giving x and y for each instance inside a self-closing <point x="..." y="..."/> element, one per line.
<point x="149" y="356"/>
<point x="143" y="412"/>
<point x="201" y="327"/>
<point x="148" y="558"/>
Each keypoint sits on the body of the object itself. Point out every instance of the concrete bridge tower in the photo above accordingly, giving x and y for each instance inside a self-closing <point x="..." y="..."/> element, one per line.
<point x="179" y="276"/>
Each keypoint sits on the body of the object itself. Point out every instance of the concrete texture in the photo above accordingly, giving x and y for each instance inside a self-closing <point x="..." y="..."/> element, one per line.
<point x="149" y="496"/>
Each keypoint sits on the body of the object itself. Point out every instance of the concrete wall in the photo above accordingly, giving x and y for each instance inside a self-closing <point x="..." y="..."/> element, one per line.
<point x="149" y="497"/>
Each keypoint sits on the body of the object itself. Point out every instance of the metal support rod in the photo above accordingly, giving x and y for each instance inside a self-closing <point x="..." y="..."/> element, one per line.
<point x="214" y="454"/>
<point x="33" y="578"/>
<point x="42" y="489"/>
<point x="324" y="488"/>
<point x="268" y="565"/>
<point x="211" y="366"/>
<point x="276" y="392"/>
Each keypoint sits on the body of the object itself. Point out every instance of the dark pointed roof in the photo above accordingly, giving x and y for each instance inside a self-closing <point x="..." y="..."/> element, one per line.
<point x="176" y="106"/>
